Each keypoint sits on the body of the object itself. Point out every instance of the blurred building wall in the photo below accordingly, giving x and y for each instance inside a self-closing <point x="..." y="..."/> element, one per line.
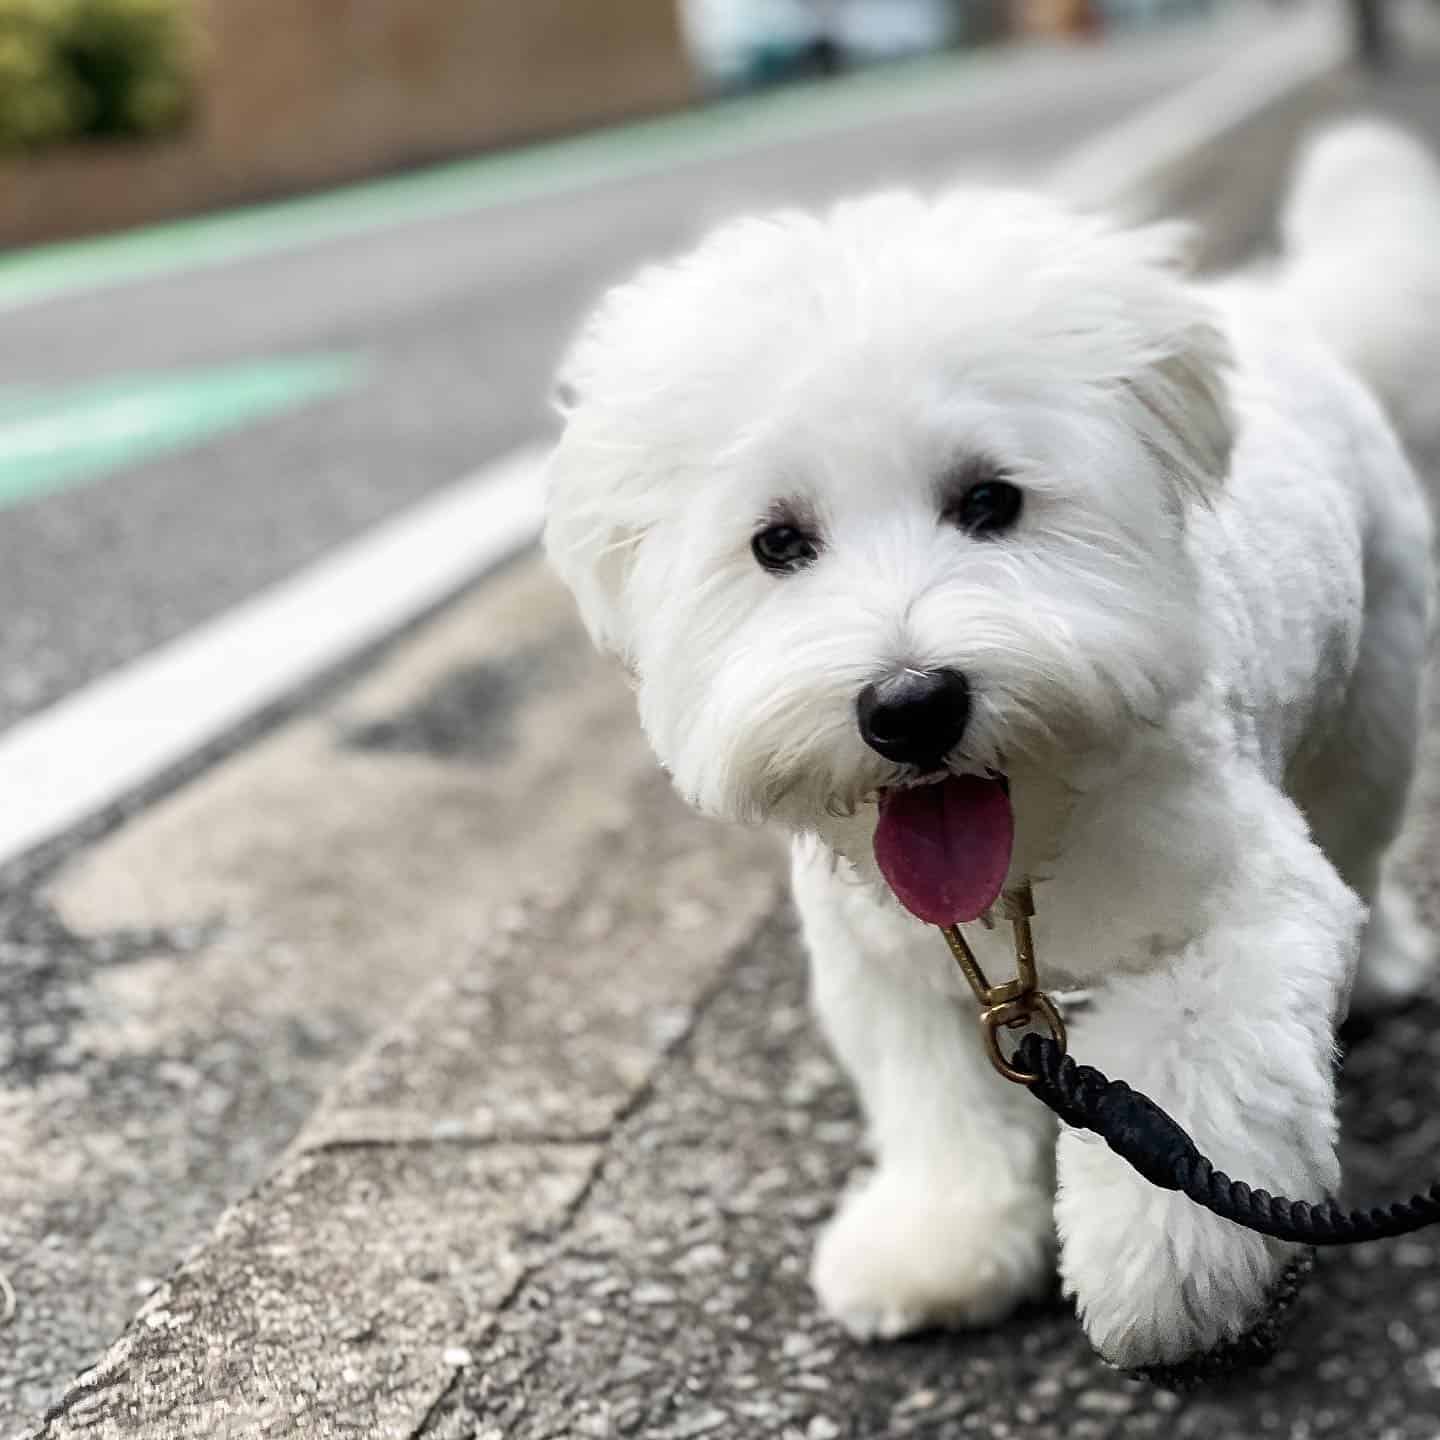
<point x="305" y="92"/>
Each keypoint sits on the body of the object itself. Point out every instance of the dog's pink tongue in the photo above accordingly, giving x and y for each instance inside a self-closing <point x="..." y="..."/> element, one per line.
<point x="945" y="848"/>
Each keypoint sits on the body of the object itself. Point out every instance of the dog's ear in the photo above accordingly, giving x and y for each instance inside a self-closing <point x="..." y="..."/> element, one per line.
<point x="598" y="503"/>
<point x="610" y="478"/>
<point x="1177" y="382"/>
<point x="1182" y="404"/>
<point x="587" y="538"/>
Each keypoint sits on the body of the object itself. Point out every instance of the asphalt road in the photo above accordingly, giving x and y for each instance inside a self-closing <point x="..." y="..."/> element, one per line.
<point x="441" y="323"/>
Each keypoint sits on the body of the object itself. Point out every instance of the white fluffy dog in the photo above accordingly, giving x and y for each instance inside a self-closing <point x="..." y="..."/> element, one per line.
<point x="971" y="542"/>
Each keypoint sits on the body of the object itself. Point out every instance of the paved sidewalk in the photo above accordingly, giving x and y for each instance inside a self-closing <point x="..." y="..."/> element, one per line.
<point x="573" y="1191"/>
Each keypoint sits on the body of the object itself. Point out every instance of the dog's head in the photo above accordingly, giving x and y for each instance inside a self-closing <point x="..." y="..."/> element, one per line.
<point x="893" y="493"/>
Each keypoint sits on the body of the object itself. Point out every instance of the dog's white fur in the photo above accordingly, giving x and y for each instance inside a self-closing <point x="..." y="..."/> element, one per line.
<point x="1364" y="212"/>
<point x="1197" y="658"/>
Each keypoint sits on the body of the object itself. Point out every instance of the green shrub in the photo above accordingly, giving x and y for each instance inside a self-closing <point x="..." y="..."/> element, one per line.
<point x="132" y="60"/>
<point x="94" y="67"/>
<point x="38" y="97"/>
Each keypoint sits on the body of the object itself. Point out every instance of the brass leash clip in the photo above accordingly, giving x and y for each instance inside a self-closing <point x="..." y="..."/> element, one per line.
<point x="1015" y="1003"/>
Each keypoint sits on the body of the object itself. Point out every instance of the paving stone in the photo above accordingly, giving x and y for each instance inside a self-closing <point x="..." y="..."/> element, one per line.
<point x="335" y="1301"/>
<point x="560" y="1020"/>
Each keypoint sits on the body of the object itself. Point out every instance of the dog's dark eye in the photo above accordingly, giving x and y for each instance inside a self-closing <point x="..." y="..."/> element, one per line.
<point x="783" y="548"/>
<point x="989" y="508"/>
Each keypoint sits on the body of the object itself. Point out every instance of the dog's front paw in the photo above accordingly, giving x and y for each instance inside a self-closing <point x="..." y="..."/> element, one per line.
<point x="1156" y="1279"/>
<point x="908" y="1253"/>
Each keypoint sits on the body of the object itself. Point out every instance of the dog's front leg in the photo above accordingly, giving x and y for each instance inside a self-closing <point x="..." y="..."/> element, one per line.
<point x="1231" y="1033"/>
<point x="956" y="1225"/>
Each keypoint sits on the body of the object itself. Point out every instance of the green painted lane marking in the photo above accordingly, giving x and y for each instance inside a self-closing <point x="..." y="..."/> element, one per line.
<point x="55" y="437"/>
<point x="619" y="152"/>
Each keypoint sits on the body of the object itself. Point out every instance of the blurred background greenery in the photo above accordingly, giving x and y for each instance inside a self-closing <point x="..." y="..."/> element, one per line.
<point x="104" y="68"/>
<point x="71" y="68"/>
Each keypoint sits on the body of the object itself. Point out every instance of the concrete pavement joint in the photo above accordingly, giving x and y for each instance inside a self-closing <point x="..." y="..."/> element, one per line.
<point x="565" y="1220"/>
<point x="642" y="1095"/>
<point x="350" y="1145"/>
<point x="441" y="1401"/>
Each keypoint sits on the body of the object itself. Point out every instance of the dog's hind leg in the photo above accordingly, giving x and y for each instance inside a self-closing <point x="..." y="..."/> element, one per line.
<point x="1355" y="819"/>
<point x="956" y="1226"/>
<point x="1355" y="788"/>
<point x="1398" y="957"/>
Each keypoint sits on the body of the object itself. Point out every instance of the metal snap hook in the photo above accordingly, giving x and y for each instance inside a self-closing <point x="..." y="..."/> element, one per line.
<point x="1016" y="1003"/>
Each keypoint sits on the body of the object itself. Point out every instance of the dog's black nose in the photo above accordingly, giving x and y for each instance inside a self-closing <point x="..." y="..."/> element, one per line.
<point x="916" y="716"/>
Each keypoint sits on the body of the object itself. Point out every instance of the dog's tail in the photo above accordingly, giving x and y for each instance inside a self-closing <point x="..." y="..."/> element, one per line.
<point x="1361" y="235"/>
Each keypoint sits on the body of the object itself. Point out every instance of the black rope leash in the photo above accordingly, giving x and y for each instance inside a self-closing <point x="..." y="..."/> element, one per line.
<point x="1153" y="1143"/>
<point x="1158" y="1148"/>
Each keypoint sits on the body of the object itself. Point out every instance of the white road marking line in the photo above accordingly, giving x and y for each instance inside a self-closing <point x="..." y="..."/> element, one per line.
<point x="1103" y="171"/>
<point x="84" y="753"/>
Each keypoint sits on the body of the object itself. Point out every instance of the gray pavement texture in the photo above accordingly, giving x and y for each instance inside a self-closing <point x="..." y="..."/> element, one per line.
<point x="438" y="1172"/>
<point x="179" y="996"/>
<point x="571" y="1188"/>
